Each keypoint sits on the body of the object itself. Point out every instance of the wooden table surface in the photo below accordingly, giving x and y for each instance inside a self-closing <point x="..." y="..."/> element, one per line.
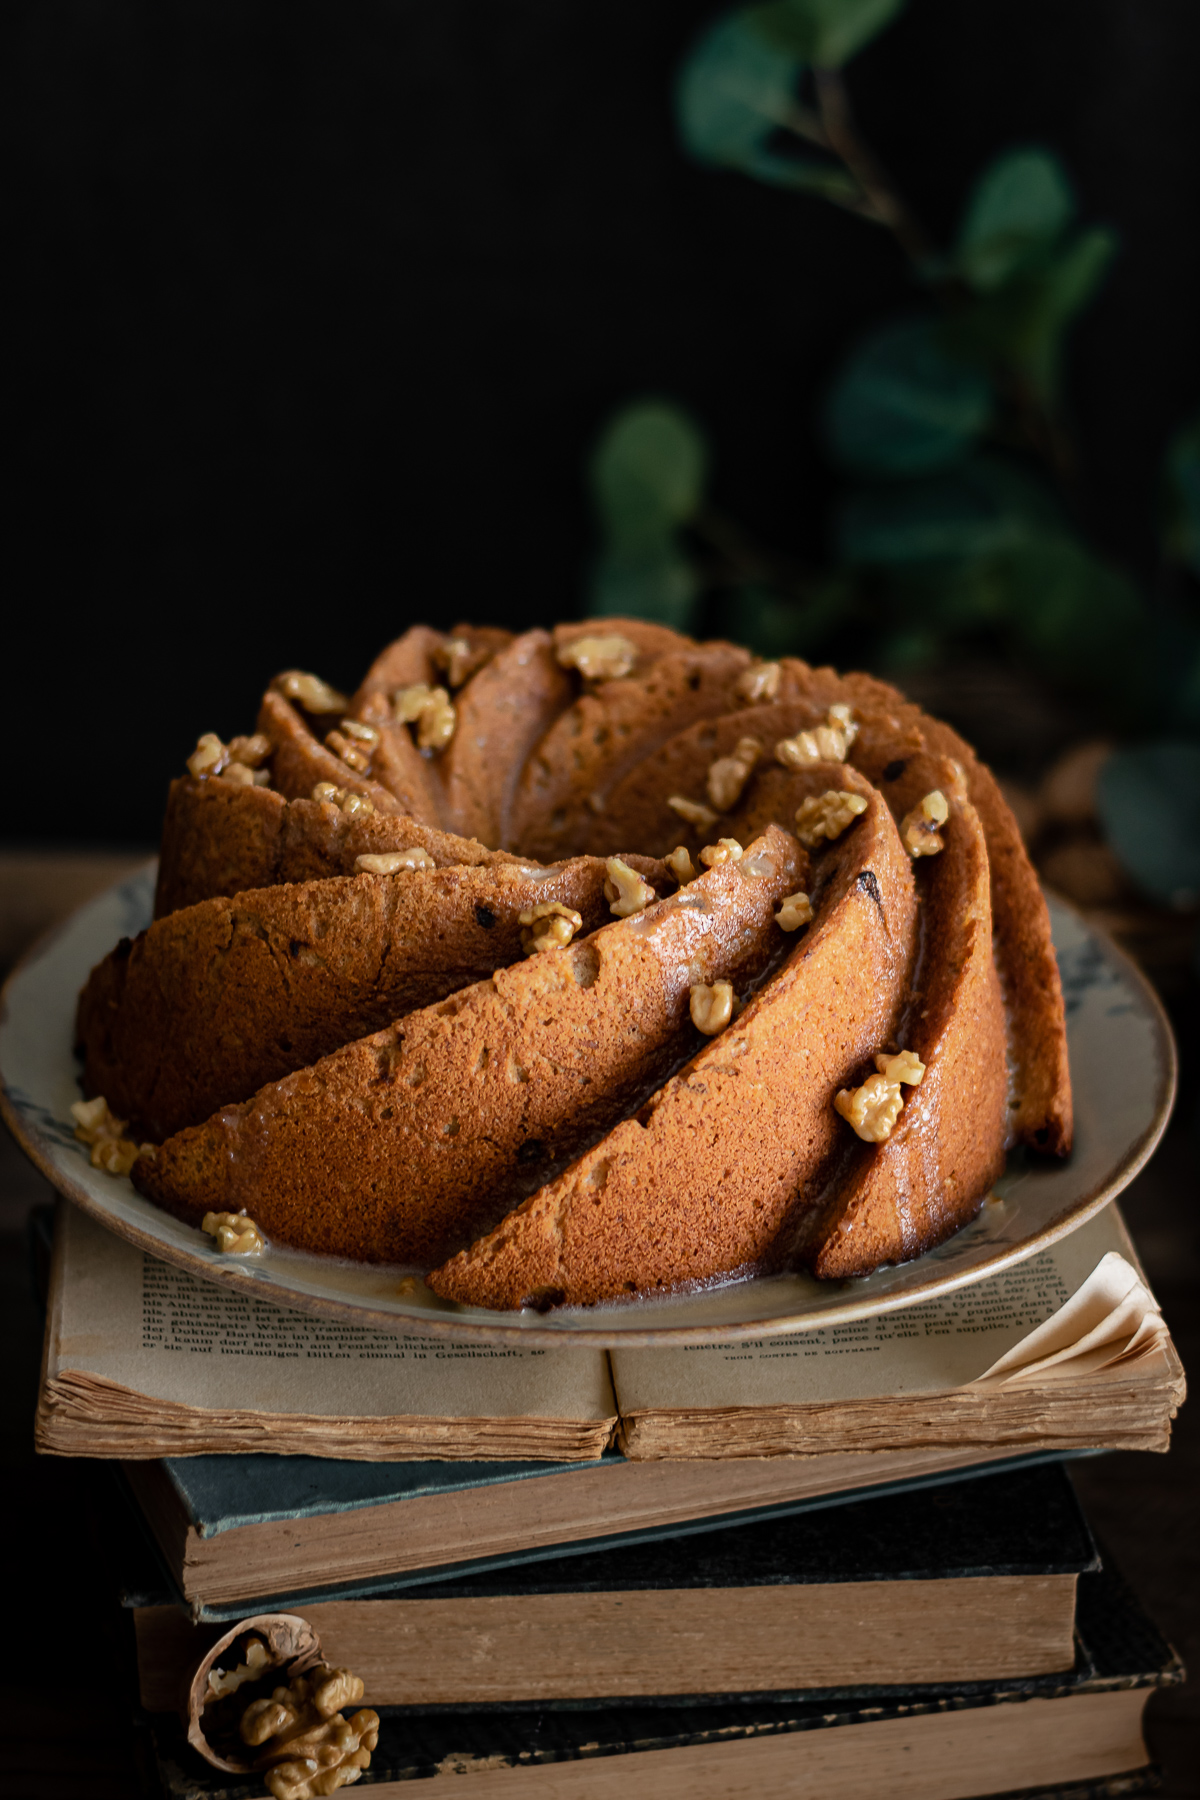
<point x="67" y="1701"/>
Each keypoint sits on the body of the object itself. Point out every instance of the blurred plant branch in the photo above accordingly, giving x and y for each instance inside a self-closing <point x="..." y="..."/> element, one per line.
<point x="937" y="422"/>
<point x="881" y="201"/>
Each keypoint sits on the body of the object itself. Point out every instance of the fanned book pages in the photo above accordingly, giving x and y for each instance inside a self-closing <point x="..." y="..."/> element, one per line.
<point x="1067" y="1350"/>
<point x="1064" y="1351"/>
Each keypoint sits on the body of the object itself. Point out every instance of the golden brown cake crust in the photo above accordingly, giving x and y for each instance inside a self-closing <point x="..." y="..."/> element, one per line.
<point x="736" y="1142"/>
<point x="357" y="1059"/>
<point x="421" y="1135"/>
<point x="902" y="1197"/>
<point x="501" y="716"/>
<point x="220" y="998"/>
<point x="606" y="732"/>
<point x="219" y="839"/>
<point x="299" y="760"/>
<point x="400" y="767"/>
<point x="1028" y="968"/>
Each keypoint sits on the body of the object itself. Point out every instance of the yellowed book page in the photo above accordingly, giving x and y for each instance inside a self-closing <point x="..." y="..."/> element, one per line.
<point x="933" y="1347"/>
<point x="127" y="1318"/>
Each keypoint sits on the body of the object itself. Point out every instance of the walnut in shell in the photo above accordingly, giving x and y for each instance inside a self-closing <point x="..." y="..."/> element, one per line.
<point x="264" y="1700"/>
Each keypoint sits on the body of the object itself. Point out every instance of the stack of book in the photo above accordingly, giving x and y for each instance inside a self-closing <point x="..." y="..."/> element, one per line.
<point x="835" y="1564"/>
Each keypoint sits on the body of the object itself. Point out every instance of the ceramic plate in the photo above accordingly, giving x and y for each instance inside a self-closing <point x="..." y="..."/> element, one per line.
<point x="1123" y="1072"/>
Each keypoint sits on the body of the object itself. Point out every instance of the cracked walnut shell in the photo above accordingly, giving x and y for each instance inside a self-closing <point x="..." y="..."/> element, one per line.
<point x="264" y="1700"/>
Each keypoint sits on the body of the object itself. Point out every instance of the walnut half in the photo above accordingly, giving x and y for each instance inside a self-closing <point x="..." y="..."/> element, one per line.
<point x="711" y="1007"/>
<point x="352" y="805"/>
<point x="693" y="812"/>
<point x="601" y="657"/>
<point x="919" y="828"/>
<point x="625" y="890"/>
<point x="824" y="743"/>
<point x="431" y="710"/>
<point x="727" y="777"/>
<point x="795" y="910"/>
<point x="239" y="761"/>
<point x="105" y="1137"/>
<point x="725" y="850"/>
<point x="305" y="1747"/>
<point x="236" y="1235"/>
<point x="549" y="926"/>
<point x="827" y="815"/>
<point x="395" y="862"/>
<point x="311" y="693"/>
<point x="681" y="865"/>
<point x="758" y="683"/>
<point x="873" y="1108"/>
<point x="264" y="1699"/>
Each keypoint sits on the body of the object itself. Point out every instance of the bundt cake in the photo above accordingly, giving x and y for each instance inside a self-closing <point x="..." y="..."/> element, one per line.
<point x="579" y="965"/>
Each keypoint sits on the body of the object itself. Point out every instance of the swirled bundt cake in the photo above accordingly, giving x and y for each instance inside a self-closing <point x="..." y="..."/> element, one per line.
<point x="585" y="964"/>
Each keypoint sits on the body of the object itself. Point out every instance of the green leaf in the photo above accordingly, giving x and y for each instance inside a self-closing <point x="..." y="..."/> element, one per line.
<point x="660" y="584"/>
<point x="1068" y="283"/>
<point x="736" y="88"/>
<point x="1149" y="805"/>
<point x="1181" y="497"/>
<point x="1020" y="207"/>
<point x="981" y="508"/>
<point x="647" y="475"/>
<point x="1024" y="322"/>
<point x="760" y="618"/>
<point x="825" y="32"/>
<point x="904" y="404"/>
<point x="1080" y="619"/>
<point x="909" y="649"/>
<point x="950" y="598"/>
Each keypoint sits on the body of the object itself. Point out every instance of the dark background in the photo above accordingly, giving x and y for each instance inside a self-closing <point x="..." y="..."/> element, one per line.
<point x="319" y="307"/>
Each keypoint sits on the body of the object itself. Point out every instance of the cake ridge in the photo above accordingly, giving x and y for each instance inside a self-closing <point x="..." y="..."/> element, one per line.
<point x="588" y="786"/>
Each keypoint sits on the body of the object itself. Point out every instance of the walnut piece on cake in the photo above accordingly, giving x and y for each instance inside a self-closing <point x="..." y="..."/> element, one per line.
<point x="919" y="828"/>
<point x="826" y="816"/>
<point x="711" y="1007"/>
<point x="873" y="1109"/>
<point x="605" y="657"/>
<point x="105" y="1137"/>
<point x="236" y="1235"/>
<point x="625" y="889"/>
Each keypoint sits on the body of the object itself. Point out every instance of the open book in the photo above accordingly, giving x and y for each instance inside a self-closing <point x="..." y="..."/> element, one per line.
<point x="1066" y="1350"/>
